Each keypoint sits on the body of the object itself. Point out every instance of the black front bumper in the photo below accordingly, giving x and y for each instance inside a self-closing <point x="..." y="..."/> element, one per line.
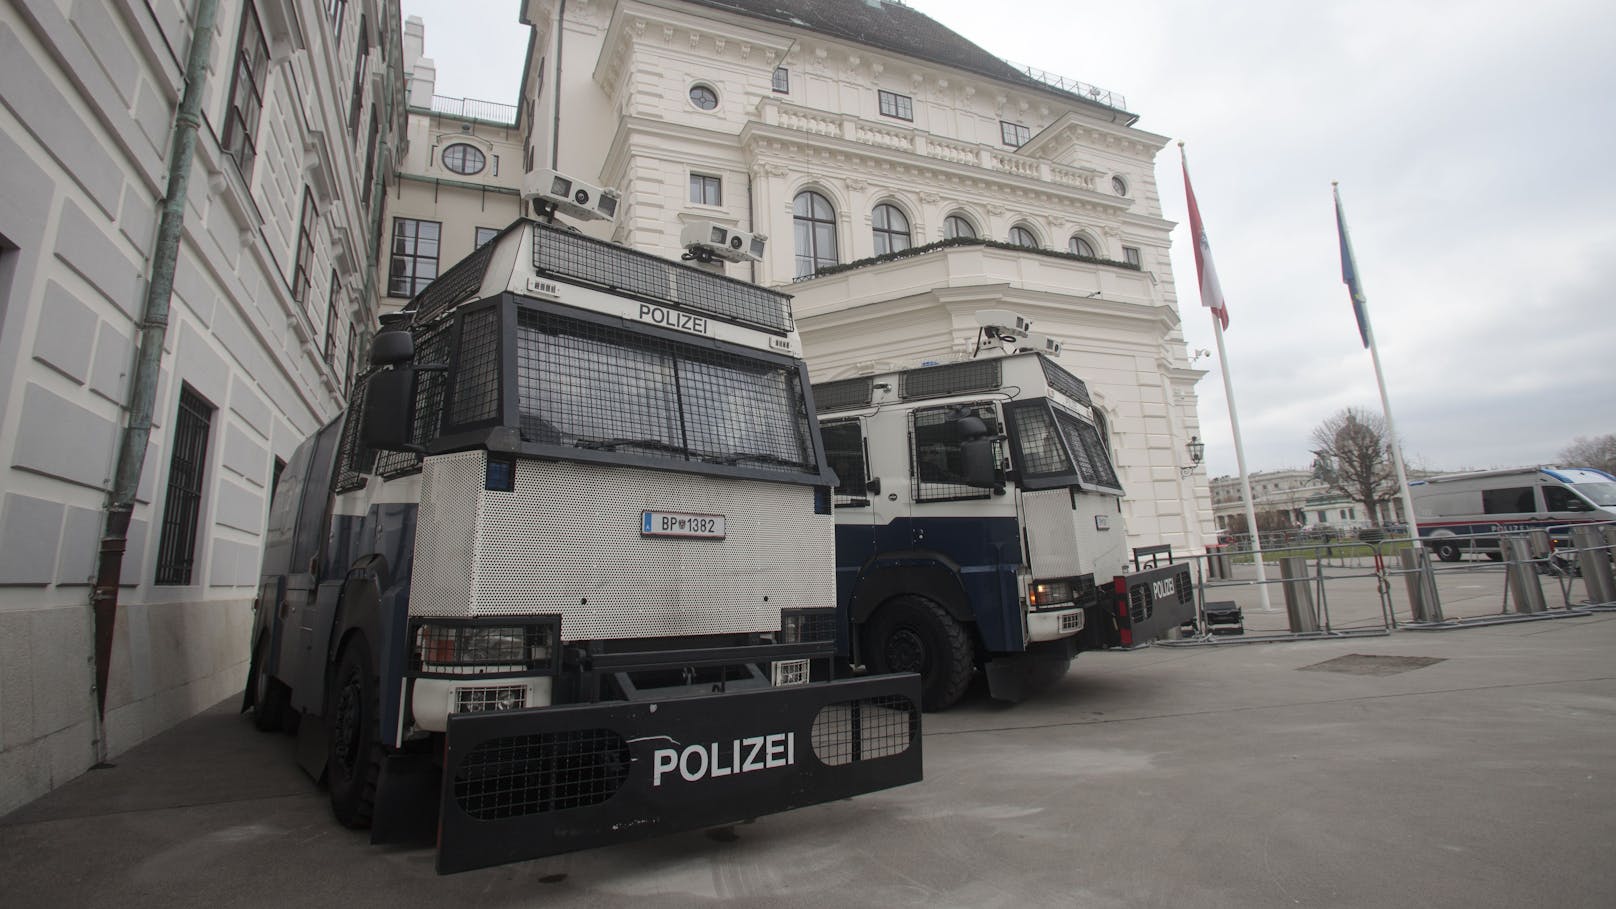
<point x="523" y="784"/>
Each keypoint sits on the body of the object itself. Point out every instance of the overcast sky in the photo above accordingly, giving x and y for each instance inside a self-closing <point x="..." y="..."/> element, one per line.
<point x="1474" y="141"/>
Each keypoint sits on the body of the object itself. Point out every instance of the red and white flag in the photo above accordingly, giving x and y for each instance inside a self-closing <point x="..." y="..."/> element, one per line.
<point x="1211" y="293"/>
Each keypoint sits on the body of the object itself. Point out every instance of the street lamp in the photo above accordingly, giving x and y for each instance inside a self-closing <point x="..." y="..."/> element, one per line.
<point x="1197" y="450"/>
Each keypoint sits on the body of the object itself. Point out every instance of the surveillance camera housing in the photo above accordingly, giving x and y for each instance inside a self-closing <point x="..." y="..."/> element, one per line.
<point x="708" y="240"/>
<point x="1005" y="321"/>
<point x="553" y="192"/>
<point x="1041" y="343"/>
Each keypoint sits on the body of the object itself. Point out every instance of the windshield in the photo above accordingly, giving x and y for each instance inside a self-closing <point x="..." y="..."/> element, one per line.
<point x="1054" y="447"/>
<point x="1601" y="494"/>
<point x="601" y="388"/>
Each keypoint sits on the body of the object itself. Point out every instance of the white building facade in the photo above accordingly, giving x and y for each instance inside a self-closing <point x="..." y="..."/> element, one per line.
<point x="856" y="134"/>
<point x="274" y="287"/>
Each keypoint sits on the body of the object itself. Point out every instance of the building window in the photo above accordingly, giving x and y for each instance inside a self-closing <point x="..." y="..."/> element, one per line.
<point x="182" y="505"/>
<point x="706" y="190"/>
<point x="246" y="92"/>
<point x="353" y="360"/>
<point x="331" y="322"/>
<point x="484" y="234"/>
<point x="1014" y="134"/>
<point x="415" y="256"/>
<point x="1080" y="246"/>
<point x="370" y="164"/>
<point x="305" y="248"/>
<point x="703" y="96"/>
<point x="891" y="229"/>
<point x="1130" y="255"/>
<point x="336" y="11"/>
<point x="356" y="102"/>
<point x="782" y="80"/>
<point x="1119" y="186"/>
<point x="495" y="159"/>
<point x="1021" y="235"/>
<point x="813" y="223"/>
<point x="957" y="227"/>
<point x="464" y="159"/>
<point x="896" y="105"/>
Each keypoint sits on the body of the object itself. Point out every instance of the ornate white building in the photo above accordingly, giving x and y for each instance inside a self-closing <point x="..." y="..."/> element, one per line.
<point x="274" y="289"/>
<point x="858" y="135"/>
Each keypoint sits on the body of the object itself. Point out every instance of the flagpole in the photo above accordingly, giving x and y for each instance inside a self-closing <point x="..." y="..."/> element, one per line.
<point x="1240" y="459"/>
<point x="1380" y="377"/>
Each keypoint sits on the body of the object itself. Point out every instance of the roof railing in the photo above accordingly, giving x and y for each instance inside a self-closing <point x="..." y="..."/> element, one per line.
<point x="1082" y="89"/>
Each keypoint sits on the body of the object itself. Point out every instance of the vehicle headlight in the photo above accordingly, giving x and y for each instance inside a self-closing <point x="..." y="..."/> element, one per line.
<point x="1043" y="594"/>
<point x="471" y="649"/>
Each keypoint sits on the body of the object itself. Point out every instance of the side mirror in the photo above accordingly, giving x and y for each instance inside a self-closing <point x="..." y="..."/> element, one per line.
<point x="980" y="470"/>
<point x="967" y="425"/>
<point x="392" y="347"/>
<point x="390" y="408"/>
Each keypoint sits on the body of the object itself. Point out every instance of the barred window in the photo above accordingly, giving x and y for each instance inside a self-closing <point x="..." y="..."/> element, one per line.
<point x="246" y="93"/>
<point x="600" y="388"/>
<point x="894" y="105"/>
<point x="182" y="503"/>
<point x="414" y="255"/>
<point x="938" y="461"/>
<point x="844" y="450"/>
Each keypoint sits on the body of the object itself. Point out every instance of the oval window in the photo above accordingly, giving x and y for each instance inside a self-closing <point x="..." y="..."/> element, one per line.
<point x="703" y="97"/>
<point x="464" y="159"/>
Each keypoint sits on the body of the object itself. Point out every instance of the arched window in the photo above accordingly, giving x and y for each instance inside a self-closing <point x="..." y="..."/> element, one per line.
<point x="956" y="226"/>
<point x="1080" y="245"/>
<point x="891" y="230"/>
<point x="1022" y="235"/>
<point x="813" y="223"/>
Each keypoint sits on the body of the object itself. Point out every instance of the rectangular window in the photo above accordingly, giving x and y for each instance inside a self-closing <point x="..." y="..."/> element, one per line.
<point x="336" y="11"/>
<point x="1130" y="255"/>
<point x="331" y="322"/>
<point x="414" y="256"/>
<point x="484" y="234"/>
<point x="1510" y="500"/>
<point x="353" y="360"/>
<point x="357" y="101"/>
<point x="896" y="105"/>
<point x="182" y="505"/>
<point x="844" y="451"/>
<point x="782" y="80"/>
<point x="305" y="248"/>
<point x="246" y="93"/>
<point x="1014" y="134"/>
<point x="496" y="164"/>
<point x="705" y="190"/>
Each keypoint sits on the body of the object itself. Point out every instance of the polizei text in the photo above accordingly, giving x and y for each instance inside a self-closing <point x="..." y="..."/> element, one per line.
<point x="698" y="762"/>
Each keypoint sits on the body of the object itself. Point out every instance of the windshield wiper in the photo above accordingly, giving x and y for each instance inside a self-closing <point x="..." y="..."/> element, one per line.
<point x="614" y="444"/>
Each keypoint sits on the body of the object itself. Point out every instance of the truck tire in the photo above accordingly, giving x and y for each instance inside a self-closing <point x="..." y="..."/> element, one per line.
<point x="269" y="697"/>
<point x="1446" y="550"/>
<point x="354" y="758"/>
<point x="914" y="634"/>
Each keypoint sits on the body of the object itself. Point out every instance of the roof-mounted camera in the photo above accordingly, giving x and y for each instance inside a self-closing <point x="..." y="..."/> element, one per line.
<point x="705" y="241"/>
<point x="552" y="193"/>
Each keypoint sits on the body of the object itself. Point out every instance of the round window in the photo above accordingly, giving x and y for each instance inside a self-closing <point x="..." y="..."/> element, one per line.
<point x="1119" y="186"/>
<point x="703" y="97"/>
<point x="463" y="159"/>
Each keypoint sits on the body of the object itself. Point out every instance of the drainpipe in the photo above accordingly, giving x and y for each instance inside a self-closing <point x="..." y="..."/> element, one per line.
<point x="148" y="362"/>
<point x="555" y="88"/>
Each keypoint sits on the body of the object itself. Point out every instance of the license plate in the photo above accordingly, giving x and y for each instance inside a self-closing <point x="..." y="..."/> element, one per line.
<point x="681" y="524"/>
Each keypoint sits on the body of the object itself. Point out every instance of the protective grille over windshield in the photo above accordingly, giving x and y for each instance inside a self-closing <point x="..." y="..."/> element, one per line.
<point x="1063" y="381"/>
<point x="565" y="254"/>
<point x="1040" y="444"/>
<point x="594" y="387"/>
<point x="1093" y="461"/>
<point x="939" y="462"/>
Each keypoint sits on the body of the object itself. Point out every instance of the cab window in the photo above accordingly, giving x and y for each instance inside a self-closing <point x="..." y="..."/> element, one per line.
<point x="1559" y="498"/>
<point x="1509" y="500"/>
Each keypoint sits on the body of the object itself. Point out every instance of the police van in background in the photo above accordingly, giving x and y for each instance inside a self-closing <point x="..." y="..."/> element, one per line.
<point x="1465" y="512"/>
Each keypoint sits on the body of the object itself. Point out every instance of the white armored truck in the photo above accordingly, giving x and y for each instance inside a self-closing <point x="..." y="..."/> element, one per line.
<point x="562" y="574"/>
<point x="979" y="524"/>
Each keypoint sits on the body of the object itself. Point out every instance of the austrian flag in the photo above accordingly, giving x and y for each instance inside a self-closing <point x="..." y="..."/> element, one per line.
<point x="1211" y="293"/>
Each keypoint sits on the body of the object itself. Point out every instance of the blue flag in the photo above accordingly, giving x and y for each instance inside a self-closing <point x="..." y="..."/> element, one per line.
<point x="1349" y="273"/>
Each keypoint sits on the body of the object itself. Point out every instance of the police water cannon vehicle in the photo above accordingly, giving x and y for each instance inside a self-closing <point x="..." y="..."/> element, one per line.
<point x="979" y="522"/>
<point x="563" y="573"/>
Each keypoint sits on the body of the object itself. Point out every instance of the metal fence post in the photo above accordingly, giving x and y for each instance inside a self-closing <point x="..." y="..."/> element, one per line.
<point x="1523" y="578"/>
<point x="1420" y="577"/>
<point x="1298" y="598"/>
<point x="1594" y="558"/>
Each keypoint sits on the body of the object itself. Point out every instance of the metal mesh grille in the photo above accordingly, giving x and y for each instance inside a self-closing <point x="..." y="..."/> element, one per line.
<point x="844" y="449"/>
<point x="455" y="286"/>
<point x="1038" y="442"/>
<point x="479" y="698"/>
<point x="354" y="458"/>
<point x="864" y="729"/>
<point x="431" y="347"/>
<point x="843" y="394"/>
<point x="965" y="378"/>
<point x="521" y="775"/>
<point x="476" y="392"/>
<point x="1093" y="461"/>
<point x="1140" y="604"/>
<point x="592" y="386"/>
<point x="1064" y="382"/>
<point x="576" y="256"/>
<point x="939" y="464"/>
<point x="810" y="625"/>
<point x="1071" y="622"/>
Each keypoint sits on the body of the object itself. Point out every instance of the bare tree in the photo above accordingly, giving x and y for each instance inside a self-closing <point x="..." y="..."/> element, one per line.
<point x="1598" y="452"/>
<point x="1352" y="455"/>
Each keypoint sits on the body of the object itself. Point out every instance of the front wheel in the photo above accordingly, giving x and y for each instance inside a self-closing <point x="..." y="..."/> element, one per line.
<point x="914" y="634"/>
<point x="269" y="697"/>
<point x="354" y="758"/>
<point x="1447" y="551"/>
